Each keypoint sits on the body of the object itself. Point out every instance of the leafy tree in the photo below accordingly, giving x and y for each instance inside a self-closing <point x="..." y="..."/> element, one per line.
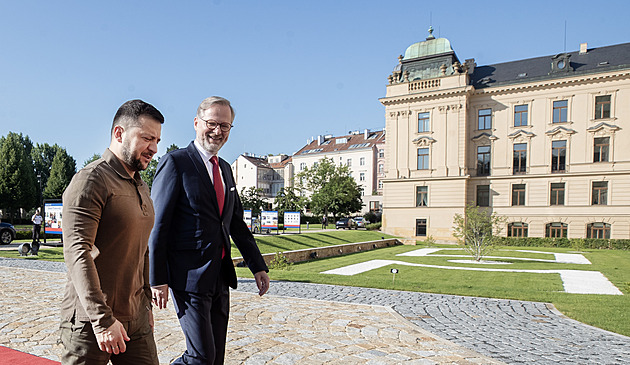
<point x="17" y="174"/>
<point x="149" y="174"/>
<point x="477" y="231"/>
<point x="251" y="197"/>
<point x="333" y="190"/>
<point x="94" y="157"/>
<point x="43" y="155"/>
<point x="61" y="172"/>
<point x="288" y="200"/>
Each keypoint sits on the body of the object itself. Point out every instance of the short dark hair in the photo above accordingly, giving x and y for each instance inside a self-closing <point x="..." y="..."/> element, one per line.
<point x="128" y="114"/>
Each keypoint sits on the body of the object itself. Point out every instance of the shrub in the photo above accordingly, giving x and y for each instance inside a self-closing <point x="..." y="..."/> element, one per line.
<point x="373" y="226"/>
<point x="575" y="243"/>
<point x="280" y="262"/>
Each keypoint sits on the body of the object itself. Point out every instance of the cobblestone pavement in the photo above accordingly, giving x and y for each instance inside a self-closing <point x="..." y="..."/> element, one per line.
<point x="302" y="323"/>
<point x="268" y="330"/>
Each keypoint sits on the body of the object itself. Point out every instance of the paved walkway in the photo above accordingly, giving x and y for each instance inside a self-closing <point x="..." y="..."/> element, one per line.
<point x="301" y="323"/>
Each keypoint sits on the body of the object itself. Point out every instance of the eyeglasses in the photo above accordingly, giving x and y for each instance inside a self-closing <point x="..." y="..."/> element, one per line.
<point x="211" y="124"/>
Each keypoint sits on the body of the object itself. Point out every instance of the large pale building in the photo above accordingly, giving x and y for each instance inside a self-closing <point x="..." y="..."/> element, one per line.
<point x="543" y="142"/>
<point x="362" y="152"/>
<point x="268" y="173"/>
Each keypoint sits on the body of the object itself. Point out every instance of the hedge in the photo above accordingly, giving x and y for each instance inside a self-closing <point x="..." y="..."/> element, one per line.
<point x="576" y="243"/>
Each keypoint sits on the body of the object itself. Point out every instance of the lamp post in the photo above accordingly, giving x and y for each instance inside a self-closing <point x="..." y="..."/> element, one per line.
<point x="39" y="195"/>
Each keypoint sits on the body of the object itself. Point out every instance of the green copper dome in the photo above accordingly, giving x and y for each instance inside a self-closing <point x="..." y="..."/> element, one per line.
<point x="427" y="48"/>
<point x="431" y="46"/>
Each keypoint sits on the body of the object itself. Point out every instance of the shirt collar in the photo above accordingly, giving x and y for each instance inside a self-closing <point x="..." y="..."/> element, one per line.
<point x="117" y="165"/>
<point x="205" y="155"/>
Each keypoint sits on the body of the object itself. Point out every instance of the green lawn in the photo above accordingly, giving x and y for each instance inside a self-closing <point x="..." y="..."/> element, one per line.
<point x="609" y="312"/>
<point x="604" y="311"/>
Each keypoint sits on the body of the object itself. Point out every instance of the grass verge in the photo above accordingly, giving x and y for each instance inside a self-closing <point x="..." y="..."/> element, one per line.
<point x="604" y="311"/>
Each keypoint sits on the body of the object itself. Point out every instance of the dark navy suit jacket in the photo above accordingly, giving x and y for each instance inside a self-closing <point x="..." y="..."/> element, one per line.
<point x="188" y="235"/>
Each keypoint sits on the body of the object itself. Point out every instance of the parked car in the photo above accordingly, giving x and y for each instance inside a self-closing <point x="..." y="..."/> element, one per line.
<point x="361" y="222"/>
<point x="7" y="233"/>
<point x="347" y="223"/>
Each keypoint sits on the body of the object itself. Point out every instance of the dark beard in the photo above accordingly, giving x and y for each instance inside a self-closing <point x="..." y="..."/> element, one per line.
<point x="132" y="162"/>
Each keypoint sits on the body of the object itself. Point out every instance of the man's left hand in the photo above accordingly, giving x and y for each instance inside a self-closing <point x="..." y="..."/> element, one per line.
<point x="262" y="281"/>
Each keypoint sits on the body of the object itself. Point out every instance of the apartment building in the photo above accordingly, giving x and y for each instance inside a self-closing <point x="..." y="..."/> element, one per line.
<point x="363" y="152"/>
<point x="541" y="141"/>
<point x="269" y="173"/>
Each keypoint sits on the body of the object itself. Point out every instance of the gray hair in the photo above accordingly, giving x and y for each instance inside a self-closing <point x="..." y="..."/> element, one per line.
<point x="208" y="102"/>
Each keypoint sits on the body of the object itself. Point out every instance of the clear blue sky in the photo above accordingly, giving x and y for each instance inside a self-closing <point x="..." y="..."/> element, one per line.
<point x="292" y="69"/>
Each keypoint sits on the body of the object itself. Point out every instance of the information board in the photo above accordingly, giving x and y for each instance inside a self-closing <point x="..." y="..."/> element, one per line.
<point x="52" y="218"/>
<point x="291" y="219"/>
<point x="269" y="219"/>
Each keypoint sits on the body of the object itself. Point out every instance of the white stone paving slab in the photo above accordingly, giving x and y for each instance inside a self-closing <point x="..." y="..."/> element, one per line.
<point x="574" y="281"/>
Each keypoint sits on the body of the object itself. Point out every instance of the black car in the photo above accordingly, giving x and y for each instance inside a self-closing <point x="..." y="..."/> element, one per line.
<point x="7" y="233"/>
<point x="348" y="223"/>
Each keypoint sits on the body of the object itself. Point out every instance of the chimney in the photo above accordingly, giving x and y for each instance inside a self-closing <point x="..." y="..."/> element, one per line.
<point x="320" y="140"/>
<point x="583" y="48"/>
<point x="366" y="134"/>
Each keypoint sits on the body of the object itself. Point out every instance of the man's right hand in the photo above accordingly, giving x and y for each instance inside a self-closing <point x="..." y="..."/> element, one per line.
<point x="160" y="295"/>
<point x="112" y="340"/>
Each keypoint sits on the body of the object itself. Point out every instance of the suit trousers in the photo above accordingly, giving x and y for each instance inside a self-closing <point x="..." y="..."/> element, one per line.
<point x="204" y="321"/>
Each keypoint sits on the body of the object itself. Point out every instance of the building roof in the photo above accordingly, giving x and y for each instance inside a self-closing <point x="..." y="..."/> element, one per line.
<point x="264" y="162"/>
<point x="595" y="60"/>
<point x="257" y="161"/>
<point x="430" y="46"/>
<point x="282" y="164"/>
<point x="355" y="141"/>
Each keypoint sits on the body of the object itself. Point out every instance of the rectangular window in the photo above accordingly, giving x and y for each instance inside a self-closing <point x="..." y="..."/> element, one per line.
<point x="602" y="107"/>
<point x="600" y="192"/>
<point x="422" y="199"/>
<point x="381" y="153"/>
<point x="374" y="206"/>
<point x="362" y="161"/>
<point x="557" y="194"/>
<point x="560" y="111"/>
<point x="380" y="184"/>
<point x="519" y="163"/>
<point x="520" y="115"/>
<point x="558" y="156"/>
<point x="518" y="194"/>
<point x="421" y="227"/>
<point x="381" y="168"/>
<point x="483" y="195"/>
<point x="600" y="149"/>
<point x="349" y="162"/>
<point x="362" y="176"/>
<point x="485" y="119"/>
<point x="423" y="122"/>
<point x="483" y="160"/>
<point x="423" y="158"/>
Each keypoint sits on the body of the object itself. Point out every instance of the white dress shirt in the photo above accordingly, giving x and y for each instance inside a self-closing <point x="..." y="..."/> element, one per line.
<point x="205" y="157"/>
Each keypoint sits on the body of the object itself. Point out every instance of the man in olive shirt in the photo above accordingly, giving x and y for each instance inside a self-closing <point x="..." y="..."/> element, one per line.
<point x="108" y="215"/>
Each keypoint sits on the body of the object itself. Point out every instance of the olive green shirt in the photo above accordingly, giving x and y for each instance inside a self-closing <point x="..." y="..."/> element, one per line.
<point x="107" y="217"/>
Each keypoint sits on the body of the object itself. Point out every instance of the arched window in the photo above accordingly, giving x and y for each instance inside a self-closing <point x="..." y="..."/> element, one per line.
<point x="556" y="230"/>
<point x="517" y="229"/>
<point x="598" y="230"/>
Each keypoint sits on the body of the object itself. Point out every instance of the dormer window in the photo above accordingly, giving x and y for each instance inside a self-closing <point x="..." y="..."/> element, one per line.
<point x="560" y="63"/>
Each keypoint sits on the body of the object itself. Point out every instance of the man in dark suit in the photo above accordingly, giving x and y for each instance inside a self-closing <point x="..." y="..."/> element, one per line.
<point x="197" y="210"/>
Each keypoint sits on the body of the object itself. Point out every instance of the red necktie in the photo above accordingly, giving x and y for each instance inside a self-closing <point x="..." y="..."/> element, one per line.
<point x="218" y="189"/>
<point x="218" y="184"/>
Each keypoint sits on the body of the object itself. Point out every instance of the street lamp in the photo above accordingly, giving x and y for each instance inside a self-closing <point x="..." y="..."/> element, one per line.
<point x="39" y="196"/>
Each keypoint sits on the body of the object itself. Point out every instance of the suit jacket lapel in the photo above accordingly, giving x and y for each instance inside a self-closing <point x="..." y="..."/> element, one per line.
<point x="203" y="173"/>
<point x="226" y="171"/>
